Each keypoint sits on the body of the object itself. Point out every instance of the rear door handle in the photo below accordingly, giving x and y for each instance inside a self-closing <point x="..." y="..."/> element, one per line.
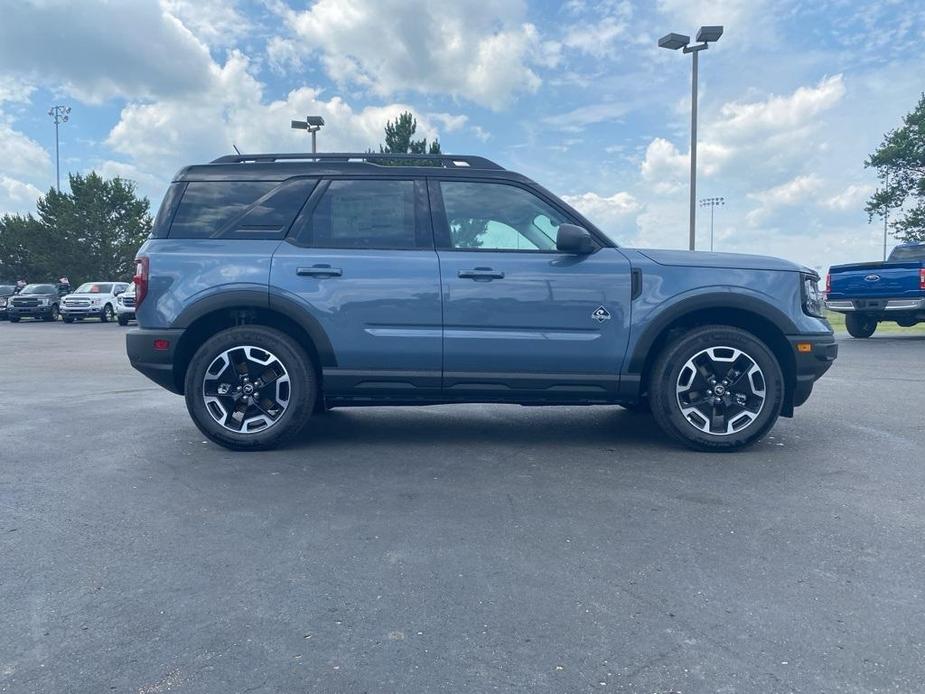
<point x="480" y="274"/>
<point x="319" y="271"/>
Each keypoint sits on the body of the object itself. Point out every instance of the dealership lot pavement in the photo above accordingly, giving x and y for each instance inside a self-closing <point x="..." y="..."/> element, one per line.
<point x="471" y="548"/>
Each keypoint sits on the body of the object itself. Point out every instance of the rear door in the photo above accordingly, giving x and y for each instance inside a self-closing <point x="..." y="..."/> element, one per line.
<point x="522" y="319"/>
<point x="360" y="261"/>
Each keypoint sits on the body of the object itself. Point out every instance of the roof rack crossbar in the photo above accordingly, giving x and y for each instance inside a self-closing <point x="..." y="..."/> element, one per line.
<point x="448" y="161"/>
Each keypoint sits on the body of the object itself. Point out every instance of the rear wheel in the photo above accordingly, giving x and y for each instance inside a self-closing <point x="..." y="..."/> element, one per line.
<point x="250" y="388"/>
<point x="859" y="325"/>
<point x="716" y="388"/>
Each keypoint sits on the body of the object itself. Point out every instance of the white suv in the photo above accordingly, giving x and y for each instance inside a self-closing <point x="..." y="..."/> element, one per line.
<point x="125" y="305"/>
<point x="92" y="300"/>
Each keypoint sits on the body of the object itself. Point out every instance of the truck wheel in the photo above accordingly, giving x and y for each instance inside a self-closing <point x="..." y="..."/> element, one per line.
<point x="716" y="388"/>
<point x="859" y="325"/>
<point x="52" y="315"/>
<point x="250" y="388"/>
<point x="123" y="320"/>
<point x="67" y="319"/>
<point x="14" y="319"/>
<point x="106" y="314"/>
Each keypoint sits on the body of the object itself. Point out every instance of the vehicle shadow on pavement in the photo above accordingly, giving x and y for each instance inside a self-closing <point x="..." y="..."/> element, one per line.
<point x="478" y="425"/>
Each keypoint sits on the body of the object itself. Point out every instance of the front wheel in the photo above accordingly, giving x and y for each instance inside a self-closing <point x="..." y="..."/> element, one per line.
<point x="14" y="319"/>
<point x="106" y="314"/>
<point x="123" y="320"/>
<point x="250" y="388"/>
<point x="67" y="319"/>
<point x="716" y="388"/>
<point x="52" y="315"/>
<point x="859" y="325"/>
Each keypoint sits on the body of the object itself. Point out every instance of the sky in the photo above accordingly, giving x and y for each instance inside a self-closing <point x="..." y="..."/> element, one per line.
<point x="577" y="95"/>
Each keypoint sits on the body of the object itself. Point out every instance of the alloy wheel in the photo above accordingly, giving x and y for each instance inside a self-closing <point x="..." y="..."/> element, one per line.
<point x="246" y="389"/>
<point x="721" y="390"/>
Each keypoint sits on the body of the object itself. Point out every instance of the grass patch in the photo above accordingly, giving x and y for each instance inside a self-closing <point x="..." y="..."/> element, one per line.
<point x="838" y="323"/>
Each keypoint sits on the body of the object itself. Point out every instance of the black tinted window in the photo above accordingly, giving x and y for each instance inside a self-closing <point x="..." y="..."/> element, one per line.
<point x="363" y="214"/>
<point x="907" y="253"/>
<point x="239" y="209"/>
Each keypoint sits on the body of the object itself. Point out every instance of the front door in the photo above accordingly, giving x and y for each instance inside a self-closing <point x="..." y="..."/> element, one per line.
<point x="361" y="262"/>
<point x="522" y="319"/>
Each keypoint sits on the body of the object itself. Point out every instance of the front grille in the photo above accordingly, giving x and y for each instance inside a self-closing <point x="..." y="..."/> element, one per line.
<point x="128" y="301"/>
<point x="25" y="303"/>
<point x="77" y="303"/>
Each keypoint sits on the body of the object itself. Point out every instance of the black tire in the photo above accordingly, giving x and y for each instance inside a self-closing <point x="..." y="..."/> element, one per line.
<point x="745" y="423"/>
<point x="107" y="314"/>
<point x="302" y="389"/>
<point x="67" y="319"/>
<point x="53" y="315"/>
<point x="123" y="320"/>
<point x="859" y="325"/>
<point x="14" y="319"/>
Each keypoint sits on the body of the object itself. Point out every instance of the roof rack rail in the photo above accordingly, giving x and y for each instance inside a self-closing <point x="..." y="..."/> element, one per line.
<point x="447" y="161"/>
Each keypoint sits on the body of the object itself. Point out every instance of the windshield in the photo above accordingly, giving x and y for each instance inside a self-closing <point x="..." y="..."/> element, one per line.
<point x="38" y="289"/>
<point x="94" y="288"/>
<point x="908" y="253"/>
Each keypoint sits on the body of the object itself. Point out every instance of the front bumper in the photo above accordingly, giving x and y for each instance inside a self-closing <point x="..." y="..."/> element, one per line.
<point x="875" y="305"/>
<point x="80" y="310"/>
<point x="814" y="355"/>
<point x="29" y="312"/>
<point x="156" y="364"/>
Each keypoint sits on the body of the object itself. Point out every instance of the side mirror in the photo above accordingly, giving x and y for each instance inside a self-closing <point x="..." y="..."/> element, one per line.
<point x="572" y="238"/>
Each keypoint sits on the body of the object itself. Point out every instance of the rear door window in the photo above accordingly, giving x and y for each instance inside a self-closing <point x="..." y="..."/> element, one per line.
<point x="372" y="214"/>
<point x="239" y="209"/>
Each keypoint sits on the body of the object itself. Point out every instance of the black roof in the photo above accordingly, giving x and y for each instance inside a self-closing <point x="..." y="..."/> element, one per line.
<point x="277" y="167"/>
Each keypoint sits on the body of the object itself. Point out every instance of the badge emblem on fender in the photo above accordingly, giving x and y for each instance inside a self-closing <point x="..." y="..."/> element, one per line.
<point x="600" y="314"/>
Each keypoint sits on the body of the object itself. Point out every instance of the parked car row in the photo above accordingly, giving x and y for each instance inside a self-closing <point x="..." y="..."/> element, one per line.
<point x="106" y="301"/>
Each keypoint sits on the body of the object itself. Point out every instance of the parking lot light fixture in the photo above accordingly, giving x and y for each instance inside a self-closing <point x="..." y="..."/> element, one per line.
<point x="712" y="203"/>
<point x="311" y="124"/>
<point x="59" y="114"/>
<point x="705" y="36"/>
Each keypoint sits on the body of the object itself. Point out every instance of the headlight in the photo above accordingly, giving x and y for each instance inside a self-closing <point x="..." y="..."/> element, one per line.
<point x="43" y="302"/>
<point x="813" y="303"/>
<point x="2" y="302"/>
<point x="94" y="302"/>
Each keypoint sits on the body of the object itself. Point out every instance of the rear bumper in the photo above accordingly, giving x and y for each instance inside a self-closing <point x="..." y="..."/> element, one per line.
<point x="811" y="363"/>
<point x="875" y="305"/>
<point x="156" y="364"/>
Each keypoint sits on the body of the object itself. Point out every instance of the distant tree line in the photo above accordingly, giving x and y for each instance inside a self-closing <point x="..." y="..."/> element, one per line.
<point x="90" y="233"/>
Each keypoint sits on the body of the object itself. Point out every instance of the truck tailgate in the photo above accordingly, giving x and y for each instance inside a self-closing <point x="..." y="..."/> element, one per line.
<point x="894" y="280"/>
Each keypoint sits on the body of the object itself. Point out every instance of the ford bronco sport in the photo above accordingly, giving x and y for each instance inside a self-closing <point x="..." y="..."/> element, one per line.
<point x="274" y="285"/>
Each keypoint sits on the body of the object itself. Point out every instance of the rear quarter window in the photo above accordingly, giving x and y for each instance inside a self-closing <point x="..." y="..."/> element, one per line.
<point x="239" y="209"/>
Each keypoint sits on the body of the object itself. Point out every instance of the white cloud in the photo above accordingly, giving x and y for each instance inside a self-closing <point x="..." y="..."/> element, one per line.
<point x="95" y="50"/>
<point x="734" y="14"/>
<point x="214" y="22"/>
<point x="160" y="136"/>
<point x="749" y="120"/>
<point x="21" y="155"/>
<point x="667" y="167"/>
<point x="17" y="196"/>
<point x="786" y="194"/>
<point x="852" y="197"/>
<point x="597" y="39"/>
<point x="611" y="213"/>
<point x="466" y="49"/>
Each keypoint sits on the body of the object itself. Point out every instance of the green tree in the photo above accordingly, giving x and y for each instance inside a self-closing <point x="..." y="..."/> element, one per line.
<point x="90" y="233"/>
<point x="399" y="134"/>
<point x="900" y="164"/>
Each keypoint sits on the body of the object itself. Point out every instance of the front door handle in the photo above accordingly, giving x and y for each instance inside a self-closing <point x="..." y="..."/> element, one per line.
<point x="319" y="271"/>
<point x="483" y="274"/>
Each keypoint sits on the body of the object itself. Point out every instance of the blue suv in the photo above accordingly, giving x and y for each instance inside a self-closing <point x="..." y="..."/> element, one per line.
<point x="274" y="286"/>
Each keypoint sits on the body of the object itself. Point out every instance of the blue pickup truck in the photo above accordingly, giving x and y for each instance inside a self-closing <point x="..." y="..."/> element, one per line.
<point x="275" y="286"/>
<point x="870" y="293"/>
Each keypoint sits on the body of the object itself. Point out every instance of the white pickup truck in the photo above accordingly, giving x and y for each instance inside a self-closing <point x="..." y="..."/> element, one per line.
<point x="92" y="300"/>
<point x="125" y="305"/>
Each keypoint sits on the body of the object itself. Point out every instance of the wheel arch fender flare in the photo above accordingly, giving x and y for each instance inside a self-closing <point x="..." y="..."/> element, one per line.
<point x="717" y="300"/>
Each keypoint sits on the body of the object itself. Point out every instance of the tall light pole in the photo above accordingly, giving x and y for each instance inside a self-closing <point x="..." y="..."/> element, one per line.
<point x="59" y="114"/>
<point x="312" y="124"/>
<point x="712" y="203"/>
<point x="705" y="36"/>
<point x="886" y="213"/>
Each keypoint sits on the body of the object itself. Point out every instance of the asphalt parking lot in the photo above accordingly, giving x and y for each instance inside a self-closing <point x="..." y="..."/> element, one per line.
<point x="456" y="549"/>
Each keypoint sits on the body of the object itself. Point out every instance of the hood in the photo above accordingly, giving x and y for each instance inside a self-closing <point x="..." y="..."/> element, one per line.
<point x="736" y="261"/>
<point x="85" y="295"/>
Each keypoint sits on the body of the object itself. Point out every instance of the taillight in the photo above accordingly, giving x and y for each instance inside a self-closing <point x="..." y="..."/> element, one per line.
<point x="141" y="280"/>
<point x="922" y="278"/>
<point x="828" y="282"/>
